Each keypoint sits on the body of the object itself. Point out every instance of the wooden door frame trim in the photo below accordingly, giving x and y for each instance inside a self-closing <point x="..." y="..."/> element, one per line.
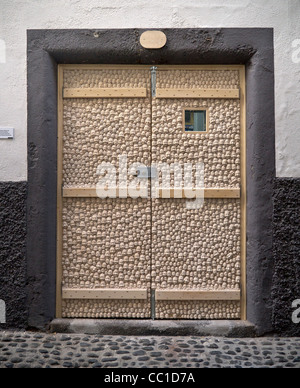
<point x="91" y="192"/>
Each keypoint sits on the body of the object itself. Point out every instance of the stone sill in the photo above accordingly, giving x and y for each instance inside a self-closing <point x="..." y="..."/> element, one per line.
<point x="121" y="327"/>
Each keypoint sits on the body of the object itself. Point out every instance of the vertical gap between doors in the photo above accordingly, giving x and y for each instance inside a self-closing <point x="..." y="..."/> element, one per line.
<point x="152" y="291"/>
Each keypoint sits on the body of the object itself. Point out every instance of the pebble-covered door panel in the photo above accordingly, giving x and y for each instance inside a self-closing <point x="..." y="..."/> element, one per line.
<point x="196" y="253"/>
<point x="150" y="257"/>
<point x="105" y="250"/>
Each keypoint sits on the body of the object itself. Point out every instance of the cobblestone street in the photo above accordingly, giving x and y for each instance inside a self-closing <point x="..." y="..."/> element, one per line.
<point x="36" y="350"/>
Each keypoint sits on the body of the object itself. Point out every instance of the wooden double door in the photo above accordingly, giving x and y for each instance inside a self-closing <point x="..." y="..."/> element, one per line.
<point x="154" y="254"/>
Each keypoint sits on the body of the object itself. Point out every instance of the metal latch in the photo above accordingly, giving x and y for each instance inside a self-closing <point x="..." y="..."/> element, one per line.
<point x="146" y="172"/>
<point x="153" y="80"/>
<point x="153" y="305"/>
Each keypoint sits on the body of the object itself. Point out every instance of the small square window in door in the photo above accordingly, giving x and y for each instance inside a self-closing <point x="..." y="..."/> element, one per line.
<point x="195" y="121"/>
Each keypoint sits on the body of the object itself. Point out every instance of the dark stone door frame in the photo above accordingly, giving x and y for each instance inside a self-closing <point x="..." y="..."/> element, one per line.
<point x="48" y="48"/>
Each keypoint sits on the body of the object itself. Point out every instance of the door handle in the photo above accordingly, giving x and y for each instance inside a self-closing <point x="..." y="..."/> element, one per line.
<point x="146" y="172"/>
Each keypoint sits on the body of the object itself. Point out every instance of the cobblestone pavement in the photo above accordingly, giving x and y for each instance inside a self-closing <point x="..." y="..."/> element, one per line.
<point x="35" y="350"/>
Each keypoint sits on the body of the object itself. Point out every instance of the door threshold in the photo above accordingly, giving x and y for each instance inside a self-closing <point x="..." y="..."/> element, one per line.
<point x="130" y="327"/>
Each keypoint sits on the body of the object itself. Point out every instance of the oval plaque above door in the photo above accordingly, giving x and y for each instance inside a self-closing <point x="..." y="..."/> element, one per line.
<point x="153" y="39"/>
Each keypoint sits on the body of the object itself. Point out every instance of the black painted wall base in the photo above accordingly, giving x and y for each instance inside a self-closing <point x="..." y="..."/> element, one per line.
<point x="286" y="282"/>
<point x="13" y="253"/>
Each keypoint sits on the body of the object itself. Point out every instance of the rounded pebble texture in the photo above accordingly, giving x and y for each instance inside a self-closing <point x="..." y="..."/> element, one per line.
<point x="99" y="130"/>
<point x="219" y="148"/>
<point x="198" y="249"/>
<point x="31" y="350"/>
<point x="107" y="244"/>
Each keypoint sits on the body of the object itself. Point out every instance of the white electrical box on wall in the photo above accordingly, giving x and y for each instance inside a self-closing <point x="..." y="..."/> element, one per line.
<point x="7" y="133"/>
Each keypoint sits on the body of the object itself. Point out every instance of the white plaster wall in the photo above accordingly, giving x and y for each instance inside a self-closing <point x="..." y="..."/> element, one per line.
<point x="16" y="16"/>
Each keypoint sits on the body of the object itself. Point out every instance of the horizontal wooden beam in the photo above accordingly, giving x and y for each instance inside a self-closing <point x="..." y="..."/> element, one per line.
<point x="198" y="93"/>
<point x="186" y="193"/>
<point x="105" y="294"/>
<point x="105" y="93"/>
<point x="82" y="192"/>
<point x="160" y="67"/>
<point x="222" y="193"/>
<point x="204" y="295"/>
